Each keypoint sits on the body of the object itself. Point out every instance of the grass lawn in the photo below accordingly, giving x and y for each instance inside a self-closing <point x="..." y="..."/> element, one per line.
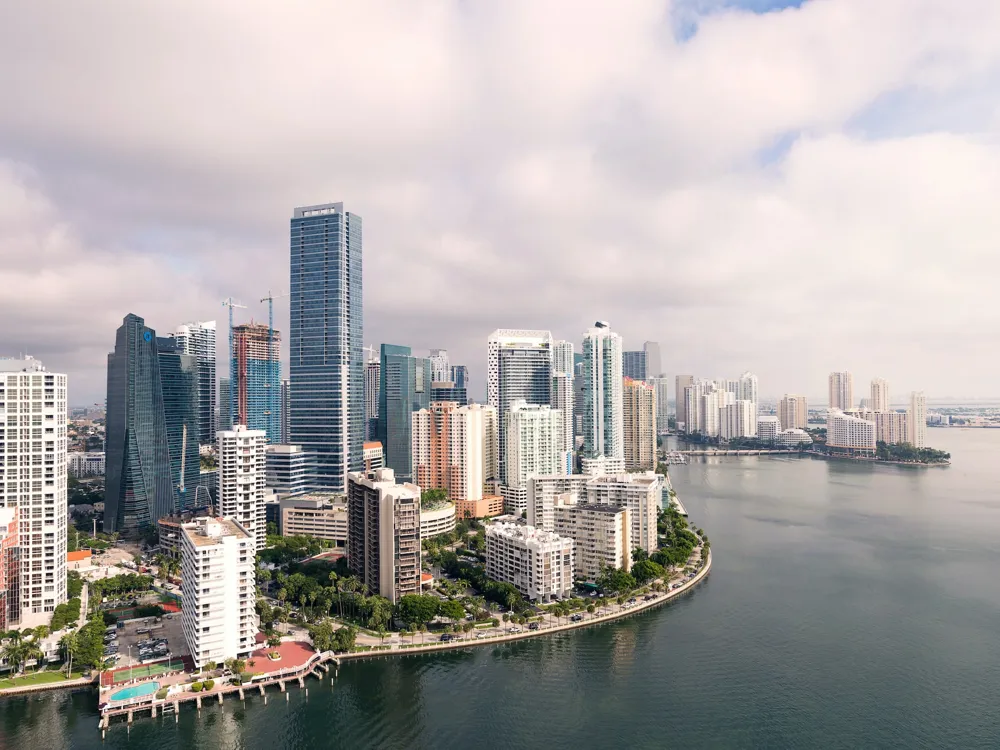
<point x="41" y="678"/>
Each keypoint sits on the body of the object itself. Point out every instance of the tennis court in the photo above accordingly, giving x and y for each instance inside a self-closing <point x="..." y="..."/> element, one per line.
<point x="142" y="671"/>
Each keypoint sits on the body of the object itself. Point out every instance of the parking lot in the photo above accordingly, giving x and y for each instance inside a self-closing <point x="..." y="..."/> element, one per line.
<point x="129" y="637"/>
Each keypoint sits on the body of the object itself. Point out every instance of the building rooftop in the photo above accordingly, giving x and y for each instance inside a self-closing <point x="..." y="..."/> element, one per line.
<point x="527" y="533"/>
<point x="21" y="364"/>
<point x="372" y="445"/>
<point x="207" y="531"/>
<point x="597" y="508"/>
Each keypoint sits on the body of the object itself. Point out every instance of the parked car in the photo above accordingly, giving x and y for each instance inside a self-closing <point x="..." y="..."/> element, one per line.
<point x="677" y="585"/>
<point x="649" y="597"/>
<point x="447" y="637"/>
<point x="516" y="629"/>
<point x="576" y="618"/>
<point x="533" y="626"/>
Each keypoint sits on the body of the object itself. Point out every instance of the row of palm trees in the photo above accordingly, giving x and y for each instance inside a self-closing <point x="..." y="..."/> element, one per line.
<point x="22" y="647"/>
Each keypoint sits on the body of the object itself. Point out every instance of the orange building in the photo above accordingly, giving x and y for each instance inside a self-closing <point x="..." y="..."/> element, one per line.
<point x="10" y="594"/>
<point x="488" y="505"/>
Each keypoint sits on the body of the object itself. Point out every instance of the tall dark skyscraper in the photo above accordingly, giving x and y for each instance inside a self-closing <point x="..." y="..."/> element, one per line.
<point x="460" y="376"/>
<point x="326" y="356"/>
<point x="405" y="387"/>
<point x="225" y="404"/>
<point x="179" y="379"/>
<point x="634" y="364"/>
<point x="199" y="339"/>
<point x="139" y="489"/>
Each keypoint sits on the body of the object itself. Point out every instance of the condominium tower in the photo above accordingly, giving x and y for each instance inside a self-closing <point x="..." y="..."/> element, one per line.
<point x="373" y="369"/>
<point x="242" y="479"/>
<point x="405" y="388"/>
<point x="634" y="365"/>
<point x="916" y="420"/>
<point x="326" y="356"/>
<point x="198" y="339"/>
<point x="256" y="395"/>
<point x="179" y="383"/>
<point x="603" y="426"/>
<point x="449" y="444"/>
<point x="880" y="395"/>
<point x="654" y="365"/>
<point x="639" y="418"/>
<point x="440" y="367"/>
<point x="680" y="405"/>
<point x="33" y="455"/>
<point x="793" y="412"/>
<point x="841" y="390"/>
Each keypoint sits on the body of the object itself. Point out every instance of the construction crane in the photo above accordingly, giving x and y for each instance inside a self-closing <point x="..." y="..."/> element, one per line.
<point x="371" y="353"/>
<point x="232" y="360"/>
<point x="274" y="363"/>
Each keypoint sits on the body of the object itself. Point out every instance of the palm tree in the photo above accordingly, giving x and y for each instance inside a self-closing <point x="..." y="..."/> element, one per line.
<point x="32" y="650"/>
<point x="13" y="653"/>
<point x="68" y="645"/>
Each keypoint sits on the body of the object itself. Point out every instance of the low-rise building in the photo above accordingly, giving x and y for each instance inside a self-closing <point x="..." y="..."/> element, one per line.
<point x="601" y="465"/>
<point x="601" y="536"/>
<point x="768" y="429"/>
<point x="85" y="464"/>
<point x="319" y="514"/>
<point x="217" y="581"/>
<point x="793" y="438"/>
<point x="538" y="563"/>
<point x="437" y="520"/>
<point x="383" y="533"/>
<point x="486" y="507"/>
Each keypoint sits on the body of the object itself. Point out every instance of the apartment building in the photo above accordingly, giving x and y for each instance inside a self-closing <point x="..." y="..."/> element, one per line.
<point x="848" y="433"/>
<point x="793" y="412"/>
<point x="319" y="514"/>
<point x="538" y="563"/>
<point x="601" y="535"/>
<point x="639" y="410"/>
<point x="242" y="479"/>
<point x="217" y="580"/>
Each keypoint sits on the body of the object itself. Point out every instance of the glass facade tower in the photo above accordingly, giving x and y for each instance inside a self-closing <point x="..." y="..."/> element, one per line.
<point x="199" y="339"/>
<point x="179" y="379"/>
<point x="405" y="387"/>
<point x="139" y="487"/>
<point x="326" y="349"/>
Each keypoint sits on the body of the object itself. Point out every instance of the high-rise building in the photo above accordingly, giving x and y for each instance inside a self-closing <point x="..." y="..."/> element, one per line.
<point x="890" y="426"/>
<point x="662" y="387"/>
<point x="491" y="445"/>
<point x="448" y="449"/>
<point x="225" y="404"/>
<point x="680" y="404"/>
<point x="639" y="416"/>
<point x="242" y="479"/>
<point x="10" y="569"/>
<point x="383" y="536"/>
<point x="257" y="367"/>
<point x="841" y="390"/>
<point x="459" y="375"/>
<point x="793" y="412"/>
<point x="285" y="399"/>
<point x="547" y="492"/>
<point x="538" y="563"/>
<point x="139" y="482"/>
<point x="372" y="383"/>
<point x="445" y="390"/>
<point x="848" y="433"/>
<point x="562" y="401"/>
<point x="405" y="388"/>
<point x="601" y="536"/>
<point x="520" y="368"/>
<point x="634" y="365"/>
<point x="746" y="389"/>
<point x="179" y="380"/>
<point x="440" y="367"/>
<point x="218" y="583"/>
<point x="326" y="345"/>
<point x="33" y="449"/>
<point x="640" y="493"/>
<point x="738" y="420"/>
<point x="562" y="356"/>
<point x="534" y="443"/>
<point x="579" y="399"/>
<point x="603" y="426"/>
<point x="768" y="429"/>
<point x="654" y="365"/>
<point x="916" y="420"/>
<point x="198" y="339"/>
<point x="880" y="395"/>
<point x="289" y="470"/>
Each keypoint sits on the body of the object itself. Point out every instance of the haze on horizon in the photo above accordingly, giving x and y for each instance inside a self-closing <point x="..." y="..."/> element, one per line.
<point x="787" y="190"/>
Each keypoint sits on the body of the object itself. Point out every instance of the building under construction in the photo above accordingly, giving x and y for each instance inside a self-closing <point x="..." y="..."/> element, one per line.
<point x="256" y="393"/>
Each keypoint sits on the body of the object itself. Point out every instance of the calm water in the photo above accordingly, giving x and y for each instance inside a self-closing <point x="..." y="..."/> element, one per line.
<point x="848" y="606"/>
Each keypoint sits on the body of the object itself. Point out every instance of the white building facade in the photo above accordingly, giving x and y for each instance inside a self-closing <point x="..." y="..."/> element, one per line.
<point x="768" y="429"/>
<point x="917" y="420"/>
<point x="601" y="535"/>
<point x="738" y="420"/>
<point x="538" y="563"/>
<point x="603" y="417"/>
<point x="218" y="560"/>
<point x="86" y="464"/>
<point x="640" y="493"/>
<point x="793" y="412"/>
<point x="33" y="479"/>
<point x="243" y="478"/>
<point x="841" y="390"/>
<point x="849" y="433"/>
<point x="534" y="443"/>
<point x="879" y="400"/>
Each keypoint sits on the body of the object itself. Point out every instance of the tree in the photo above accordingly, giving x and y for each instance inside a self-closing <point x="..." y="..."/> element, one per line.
<point x="273" y="641"/>
<point x="417" y="609"/>
<point x="68" y="646"/>
<point x="615" y="581"/>
<point x="14" y="652"/>
<point x="452" y="609"/>
<point x="639" y="554"/>
<point x="380" y="613"/>
<point x="647" y="570"/>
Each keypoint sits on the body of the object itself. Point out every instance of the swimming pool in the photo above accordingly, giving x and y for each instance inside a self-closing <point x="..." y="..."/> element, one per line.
<point x="135" y="691"/>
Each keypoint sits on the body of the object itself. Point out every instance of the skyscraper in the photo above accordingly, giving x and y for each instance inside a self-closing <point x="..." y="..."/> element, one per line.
<point x="33" y="449"/>
<point x="448" y="391"/>
<point x="372" y="384"/>
<point x="662" y="387"/>
<point x="139" y="484"/>
<point x="181" y="386"/>
<point x="880" y="395"/>
<point x="746" y="389"/>
<point x="603" y="428"/>
<point x="242" y="478"/>
<point x="841" y="390"/>
<point x="639" y="417"/>
<point x="285" y="397"/>
<point x="198" y="339"/>
<point x="634" y="365"/>
<point x="440" y="368"/>
<point x="520" y="367"/>
<point x="916" y="420"/>
<point x="534" y="443"/>
<point x="793" y="412"/>
<point x="326" y="345"/>
<point x="460" y="376"/>
<point x="449" y="443"/>
<point x="225" y="404"/>
<point x="562" y="400"/>
<point x="654" y="366"/>
<point x="680" y="405"/>
<point x="562" y="357"/>
<point x="405" y="388"/>
<point x="257" y="364"/>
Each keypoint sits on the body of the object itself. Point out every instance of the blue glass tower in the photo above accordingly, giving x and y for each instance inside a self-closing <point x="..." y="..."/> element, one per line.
<point x="179" y="380"/>
<point x="405" y="387"/>
<point x="139" y="488"/>
<point x="326" y="356"/>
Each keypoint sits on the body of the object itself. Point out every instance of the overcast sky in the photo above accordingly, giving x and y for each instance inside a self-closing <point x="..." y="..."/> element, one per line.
<point x="789" y="190"/>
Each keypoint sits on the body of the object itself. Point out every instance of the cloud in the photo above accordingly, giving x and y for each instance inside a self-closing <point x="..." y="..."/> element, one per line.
<point x="791" y="191"/>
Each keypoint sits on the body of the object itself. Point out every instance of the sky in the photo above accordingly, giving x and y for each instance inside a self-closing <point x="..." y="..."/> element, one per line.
<point x="783" y="187"/>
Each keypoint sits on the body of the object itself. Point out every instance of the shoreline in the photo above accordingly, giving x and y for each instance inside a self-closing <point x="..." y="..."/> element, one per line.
<point x="877" y="461"/>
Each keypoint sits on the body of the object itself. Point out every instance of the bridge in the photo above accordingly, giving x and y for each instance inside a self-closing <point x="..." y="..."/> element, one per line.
<point x="742" y="452"/>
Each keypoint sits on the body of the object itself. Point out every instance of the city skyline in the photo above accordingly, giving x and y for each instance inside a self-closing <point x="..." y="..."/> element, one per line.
<point x="114" y="194"/>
